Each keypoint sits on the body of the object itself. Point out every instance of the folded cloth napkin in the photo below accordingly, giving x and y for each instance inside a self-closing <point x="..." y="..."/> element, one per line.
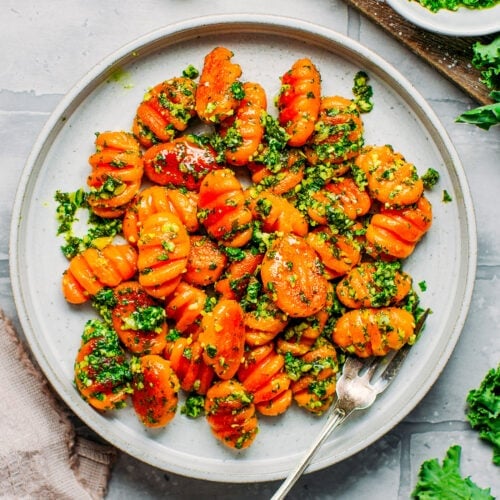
<point x="41" y="455"/>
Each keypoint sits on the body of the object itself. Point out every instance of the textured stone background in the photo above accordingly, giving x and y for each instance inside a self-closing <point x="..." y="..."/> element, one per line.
<point x="46" y="46"/>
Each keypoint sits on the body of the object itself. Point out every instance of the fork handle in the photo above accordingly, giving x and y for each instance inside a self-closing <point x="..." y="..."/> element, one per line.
<point x="334" y="420"/>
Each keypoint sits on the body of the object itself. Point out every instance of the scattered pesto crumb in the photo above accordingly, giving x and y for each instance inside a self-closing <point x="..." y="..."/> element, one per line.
<point x="430" y="178"/>
<point x="190" y="72"/>
<point x="363" y="92"/>
<point x="194" y="406"/>
<point x="121" y="76"/>
<point x="446" y="197"/>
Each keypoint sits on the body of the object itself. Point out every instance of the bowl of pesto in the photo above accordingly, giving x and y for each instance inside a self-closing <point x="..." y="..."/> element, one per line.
<point x="451" y="17"/>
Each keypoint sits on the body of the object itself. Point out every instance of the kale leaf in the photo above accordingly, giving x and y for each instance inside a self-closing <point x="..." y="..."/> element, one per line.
<point x="445" y="482"/>
<point x="486" y="58"/>
<point x="484" y="410"/>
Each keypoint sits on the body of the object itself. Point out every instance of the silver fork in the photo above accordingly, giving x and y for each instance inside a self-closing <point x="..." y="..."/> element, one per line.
<point x="357" y="388"/>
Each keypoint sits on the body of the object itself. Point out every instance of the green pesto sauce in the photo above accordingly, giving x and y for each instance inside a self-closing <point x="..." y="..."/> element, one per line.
<point x="296" y="367"/>
<point x="275" y="138"/>
<point x="384" y="286"/>
<point x="107" y="361"/>
<point x="446" y="197"/>
<point x="194" y="406"/>
<point x="230" y="142"/>
<point x="436" y="5"/>
<point x="238" y="91"/>
<point x="68" y="207"/>
<point x="430" y="178"/>
<point x="146" y="319"/>
<point x="363" y="92"/>
<point x="121" y="76"/>
<point x="191" y="72"/>
<point x="103" y="302"/>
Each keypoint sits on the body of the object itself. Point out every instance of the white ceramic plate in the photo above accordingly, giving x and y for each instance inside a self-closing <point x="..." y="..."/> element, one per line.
<point x="462" y="22"/>
<point x="265" y="47"/>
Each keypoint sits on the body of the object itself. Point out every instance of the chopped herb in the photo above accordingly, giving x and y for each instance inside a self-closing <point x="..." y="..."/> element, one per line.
<point x="109" y="188"/>
<point x="211" y="351"/>
<point x="238" y="91"/>
<point x="229" y="142"/>
<point x="263" y="207"/>
<point x="209" y="304"/>
<point x="194" y="406"/>
<point x="338" y="220"/>
<point x="293" y="366"/>
<point x="446" y="196"/>
<point x="235" y="254"/>
<point x="173" y="335"/>
<point x="190" y="72"/>
<point x="423" y="286"/>
<point x="252" y="296"/>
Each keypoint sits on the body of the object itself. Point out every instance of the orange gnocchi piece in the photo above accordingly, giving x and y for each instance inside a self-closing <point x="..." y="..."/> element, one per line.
<point x="165" y="110"/>
<point x="292" y="276"/>
<point x="222" y="336"/>
<point x="215" y="95"/>
<point x="231" y="414"/>
<point x="93" y="269"/>
<point x="117" y="170"/>
<point x="391" y="179"/>
<point x="299" y="101"/>
<point x="374" y="332"/>
<point x="163" y="253"/>
<point x="156" y="387"/>
<point x="244" y="131"/>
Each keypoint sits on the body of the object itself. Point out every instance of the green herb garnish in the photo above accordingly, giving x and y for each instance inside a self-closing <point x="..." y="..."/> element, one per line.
<point x="363" y="92"/>
<point x="194" y="406"/>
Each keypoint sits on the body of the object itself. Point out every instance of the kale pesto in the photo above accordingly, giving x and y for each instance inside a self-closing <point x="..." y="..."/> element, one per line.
<point x="363" y="92"/>
<point x="146" y="319"/>
<point x="100" y="231"/>
<point x="194" y="406"/>
<point x="437" y="5"/>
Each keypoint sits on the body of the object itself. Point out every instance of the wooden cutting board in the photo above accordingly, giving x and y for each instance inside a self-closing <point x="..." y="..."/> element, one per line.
<point x="451" y="56"/>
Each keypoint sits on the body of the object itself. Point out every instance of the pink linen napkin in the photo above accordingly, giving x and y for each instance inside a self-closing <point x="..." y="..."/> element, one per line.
<point x="41" y="455"/>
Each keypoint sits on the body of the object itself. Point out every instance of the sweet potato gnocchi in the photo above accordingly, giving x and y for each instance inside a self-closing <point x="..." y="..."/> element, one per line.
<point x="257" y="255"/>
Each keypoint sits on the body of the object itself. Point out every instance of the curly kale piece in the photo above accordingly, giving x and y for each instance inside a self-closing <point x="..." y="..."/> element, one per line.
<point x="444" y="482"/>
<point x="486" y="58"/>
<point x="484" y="410"/>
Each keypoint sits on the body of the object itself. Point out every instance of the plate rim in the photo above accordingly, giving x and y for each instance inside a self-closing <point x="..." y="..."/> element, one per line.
<point x="185" y="30"/>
